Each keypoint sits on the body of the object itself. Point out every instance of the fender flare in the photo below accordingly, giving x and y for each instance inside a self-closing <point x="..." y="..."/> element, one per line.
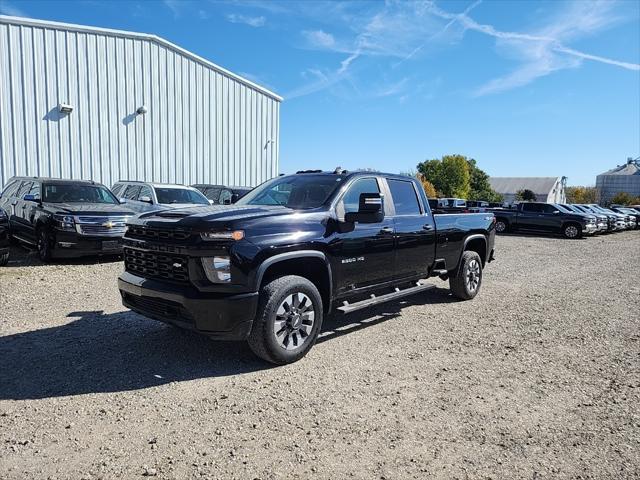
<point x="296" y="254"/>
<point x="475" y="236"/>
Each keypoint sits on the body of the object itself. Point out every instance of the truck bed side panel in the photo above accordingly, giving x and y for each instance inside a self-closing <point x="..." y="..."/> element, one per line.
<point x="453" y="229"/>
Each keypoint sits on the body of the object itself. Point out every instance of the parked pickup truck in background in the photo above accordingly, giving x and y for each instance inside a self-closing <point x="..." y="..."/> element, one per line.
<point x="544" y="217"/>
<point x="270" y="268"/>
<point x="64" y="218"/>
<point x="4" y="238"/>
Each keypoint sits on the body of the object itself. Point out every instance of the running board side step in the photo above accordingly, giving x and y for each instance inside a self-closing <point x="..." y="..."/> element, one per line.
<point x="376" y="299"/>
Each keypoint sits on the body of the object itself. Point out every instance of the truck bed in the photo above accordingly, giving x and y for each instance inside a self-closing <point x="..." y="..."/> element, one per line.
<point x="453" y="228"/>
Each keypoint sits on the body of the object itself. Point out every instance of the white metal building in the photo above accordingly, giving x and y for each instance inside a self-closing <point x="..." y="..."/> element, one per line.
<point x="141" y="107"/>
<point x="546" y="189"/>
<point x="623" y="178"/>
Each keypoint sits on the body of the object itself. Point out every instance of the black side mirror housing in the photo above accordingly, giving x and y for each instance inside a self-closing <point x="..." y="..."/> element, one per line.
<point x="370" y="209"/>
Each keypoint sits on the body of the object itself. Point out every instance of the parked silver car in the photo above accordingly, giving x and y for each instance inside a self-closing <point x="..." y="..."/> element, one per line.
<point x="147" y="196"/>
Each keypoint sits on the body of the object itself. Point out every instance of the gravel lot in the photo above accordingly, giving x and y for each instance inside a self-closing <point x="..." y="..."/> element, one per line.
<point x="538" y="377"/>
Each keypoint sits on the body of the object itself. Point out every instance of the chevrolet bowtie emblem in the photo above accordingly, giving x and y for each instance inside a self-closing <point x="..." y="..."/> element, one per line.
<point x="108" y="225"/>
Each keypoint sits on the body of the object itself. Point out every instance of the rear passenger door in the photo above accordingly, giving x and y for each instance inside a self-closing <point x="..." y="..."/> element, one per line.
<point x="415" y="235"/>
<point x="530" y="216"/>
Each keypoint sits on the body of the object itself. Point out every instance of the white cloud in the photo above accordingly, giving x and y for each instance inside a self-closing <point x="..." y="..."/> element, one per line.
<point x="246" y="20"/>
<point x="8" y="9"/>
<point x="319" y="38"/>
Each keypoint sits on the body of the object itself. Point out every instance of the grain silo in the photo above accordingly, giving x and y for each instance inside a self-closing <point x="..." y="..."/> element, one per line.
<point x="623" y="178"/>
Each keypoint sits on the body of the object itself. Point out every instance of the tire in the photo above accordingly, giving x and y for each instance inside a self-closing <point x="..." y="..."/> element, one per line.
<point x="4" y="259"/>
<point x="44" y="245"/>
<point x="502" y="226"/>
<point x="466" y="282"/>
<point x="284" y="329"/>
<point x="572" y="230"/>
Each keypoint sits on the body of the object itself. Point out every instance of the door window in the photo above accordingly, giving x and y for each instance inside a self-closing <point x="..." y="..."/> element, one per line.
<point x="35" y="189"/>
<point x="10" y="189"/>
<point x="404" y="196"/>
<point x="532" y="208"/>
<point x="116" y="189"/>
<point x="145" y="191"/>
<point x="131" y="193"/>
<point x="550" y="208"/>
<point x="24" y="189"/>
<point x="351" y="199"/>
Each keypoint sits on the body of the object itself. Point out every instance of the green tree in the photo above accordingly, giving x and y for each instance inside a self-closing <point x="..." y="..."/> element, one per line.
<point x="526" y="195"/>
<point x="581" y="194"/>
<point x="480" y="186"/>
<point x="428" y="187"/>
<point x="450" y="175"/>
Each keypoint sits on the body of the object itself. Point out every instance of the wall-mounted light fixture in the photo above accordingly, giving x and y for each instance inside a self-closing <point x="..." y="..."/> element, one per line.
<point x="141" y="110"/>
<point x="65" y="108"/>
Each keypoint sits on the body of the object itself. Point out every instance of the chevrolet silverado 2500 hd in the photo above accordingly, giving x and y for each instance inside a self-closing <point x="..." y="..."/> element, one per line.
<point x="270" y="268"/>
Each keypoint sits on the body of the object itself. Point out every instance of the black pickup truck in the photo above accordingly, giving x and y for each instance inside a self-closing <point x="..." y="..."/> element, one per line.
<point x="4" y="238"/>
<point x="270" y="268"/>
<point x="64" y="218"/>
<point x="544" y="217"/>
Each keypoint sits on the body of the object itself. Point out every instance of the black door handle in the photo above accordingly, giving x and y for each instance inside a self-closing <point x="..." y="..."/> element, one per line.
<point x="386" y="230"/>
<point x="428" y="226"/>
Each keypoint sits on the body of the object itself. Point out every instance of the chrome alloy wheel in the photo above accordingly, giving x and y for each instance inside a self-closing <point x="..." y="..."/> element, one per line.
<point x="472" y="275"/>
<point x="500" y="226"/>
<point x="294" y="321"/>
<point x="571" y="231"/>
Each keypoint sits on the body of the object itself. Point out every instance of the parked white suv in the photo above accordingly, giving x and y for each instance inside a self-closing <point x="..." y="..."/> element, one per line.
<point x="146" y="196"/>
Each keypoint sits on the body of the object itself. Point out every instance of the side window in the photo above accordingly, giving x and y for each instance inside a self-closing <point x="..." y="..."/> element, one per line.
<point x="131" y="193"/>
<point x="225" y="197"/>
<point x="145" y="191"/>
<point x="549" y="208"/>
<point x="10" y="189"/>
<point x="116" y="189"/>
<point x="531" y="208"/>
<point x="404" y="197"/>
<point x="351" y="199"/>
<point x="24" y="189"/>
<point x="35" y="189"/>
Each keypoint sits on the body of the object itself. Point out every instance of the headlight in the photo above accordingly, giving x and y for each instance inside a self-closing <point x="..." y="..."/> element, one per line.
<point x="217" y="269"/>
<point x="64" y="222"/>
<point x="224" y="235"/>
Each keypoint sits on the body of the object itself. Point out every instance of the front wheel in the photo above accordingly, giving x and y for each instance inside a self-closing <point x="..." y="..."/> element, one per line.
<point x="572" y="231"/>
<point x="4" y="259"/>
<point x="288" y="321"/>
<point x="466" y="282"/>
<point x="44" y="245"/>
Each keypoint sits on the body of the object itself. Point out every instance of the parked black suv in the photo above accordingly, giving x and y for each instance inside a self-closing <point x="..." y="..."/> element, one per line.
<point x="221" y="194"/>
<point x="269" y="268"/>
<point x="4" y="238"/>
<point x="64" y="218"/>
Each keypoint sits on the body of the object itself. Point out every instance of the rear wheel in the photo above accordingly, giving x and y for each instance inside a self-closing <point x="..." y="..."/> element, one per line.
<point x="501" y="225"/>
<point x="466" y="282"/>
<point x="288" y="320"/>
<point x="572" y="230"/>
<point x="44" y="245"/>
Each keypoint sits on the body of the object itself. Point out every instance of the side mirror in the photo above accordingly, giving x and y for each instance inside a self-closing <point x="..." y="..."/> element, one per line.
<point x="31" y="198"/>
<point x="556" y="212"/>
<point x="234" y="197"/>
<point x="123" y="200"/>
<point x="369" y="209"/>
<point x="145" y="199"/>
<point x="210" y="202"/>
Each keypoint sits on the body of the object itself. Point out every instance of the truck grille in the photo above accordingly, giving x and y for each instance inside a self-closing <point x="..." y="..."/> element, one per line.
<point x="102" y="226"/>
<point x="156" y="233"/>
<point x="156" y="265"/>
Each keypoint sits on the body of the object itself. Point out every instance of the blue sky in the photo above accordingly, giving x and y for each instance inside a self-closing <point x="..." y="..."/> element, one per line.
<point x="527" y="88"/>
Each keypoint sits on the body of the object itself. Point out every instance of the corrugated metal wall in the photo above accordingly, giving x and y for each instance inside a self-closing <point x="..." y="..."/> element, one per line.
<point x="202" y="125"/>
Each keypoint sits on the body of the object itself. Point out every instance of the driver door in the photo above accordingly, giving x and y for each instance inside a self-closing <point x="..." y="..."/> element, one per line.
<point x="363" y="255"/>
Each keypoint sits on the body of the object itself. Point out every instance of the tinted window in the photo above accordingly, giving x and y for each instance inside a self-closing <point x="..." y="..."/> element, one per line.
<point x="24" y="189"/>
<point x="35" y="189"/>
<point x="225" y="197"/>
<point x="351" y="199"/>
<point x="10" y="189"/>
<point x="532" y="207"/>
<point x="212" y="193"/>
<point x="550" y="208"/>
<point x="294" y="191"/>
<point x="404" y="197"/>
<point x="74" y="193"/>
<point x="145" y="191"/>
<point x="131" y="193"/>
<point x="180" y="195"/>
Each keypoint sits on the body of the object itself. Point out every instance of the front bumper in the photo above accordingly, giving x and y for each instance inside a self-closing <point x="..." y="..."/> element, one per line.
<point x="221" y="316"/>
<point x="72" y="244"/>
<point x="590" y="228"/>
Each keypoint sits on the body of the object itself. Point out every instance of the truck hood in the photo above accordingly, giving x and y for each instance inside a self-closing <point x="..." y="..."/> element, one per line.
<point x="97" y="209"/>
<point x="205" y="216"/>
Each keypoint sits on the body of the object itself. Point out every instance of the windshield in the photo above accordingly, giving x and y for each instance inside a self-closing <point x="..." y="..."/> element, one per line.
<point x="294" y="191"/>
<point x="180" y="195"/>
<point x="75" y="193"/>
<point x="561" y="208"/>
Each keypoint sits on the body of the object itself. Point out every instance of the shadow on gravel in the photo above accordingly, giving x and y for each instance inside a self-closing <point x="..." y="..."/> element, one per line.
<point x="98" y="352"/>
<point x="532" y="234"/>
<point x="20" y="256"/>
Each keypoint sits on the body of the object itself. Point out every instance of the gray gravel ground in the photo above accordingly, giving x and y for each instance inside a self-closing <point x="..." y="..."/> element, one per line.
<point x="538" y="377"/>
